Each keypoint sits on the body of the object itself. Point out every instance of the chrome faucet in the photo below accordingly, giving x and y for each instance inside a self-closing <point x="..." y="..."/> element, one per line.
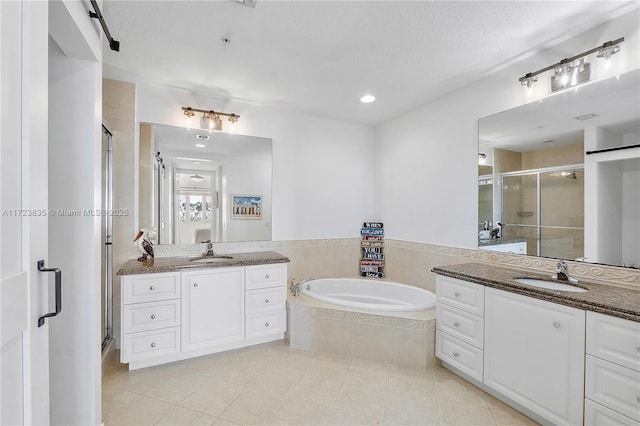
<point x="295" y="289"/>
<point x="209" y="251"/>
<point x="562" y="273"/>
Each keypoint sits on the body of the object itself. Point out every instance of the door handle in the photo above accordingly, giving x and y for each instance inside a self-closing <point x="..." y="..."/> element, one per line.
<point x="58" y="278"/>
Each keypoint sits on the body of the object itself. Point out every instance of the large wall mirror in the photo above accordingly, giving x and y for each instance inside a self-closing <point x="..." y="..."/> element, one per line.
<point x="560" y="177"/>
<point x="198" y="185"/>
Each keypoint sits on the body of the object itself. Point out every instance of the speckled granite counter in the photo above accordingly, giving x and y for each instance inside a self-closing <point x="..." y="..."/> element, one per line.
<point x="171" y="264"/>
<point x="600" y="298"/>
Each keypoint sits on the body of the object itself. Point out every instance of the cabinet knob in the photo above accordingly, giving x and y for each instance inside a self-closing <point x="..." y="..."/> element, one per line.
<point x="266" y="324"/>
<point x="556" y="324"/>
<point x="456" y="324"/>
<point x="153" y="316"/>
<point x="195" y="284"/>
<point x="153" y="287"/>
<point x="266" y="276"/>
<point x="456" y="294"/>
<point x="456" y="354"/>
<point x="266" y="300"/>
<point x="153" y="345"/>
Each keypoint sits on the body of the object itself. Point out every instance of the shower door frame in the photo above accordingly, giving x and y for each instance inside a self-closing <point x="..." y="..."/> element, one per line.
<point x="538" y="172"/>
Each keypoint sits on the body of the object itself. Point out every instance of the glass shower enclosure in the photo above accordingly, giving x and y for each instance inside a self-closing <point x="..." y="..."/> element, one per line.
<point x="106" y="241"/>
<point x="545" y="207"/>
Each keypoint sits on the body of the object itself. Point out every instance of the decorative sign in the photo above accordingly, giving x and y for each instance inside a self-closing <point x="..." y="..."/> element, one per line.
<point x="366" y="243"/>
<point x="372" y="243"/>
<point x="246" y="207"/>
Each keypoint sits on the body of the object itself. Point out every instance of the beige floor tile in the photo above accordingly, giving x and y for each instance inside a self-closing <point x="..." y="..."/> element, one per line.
<point x="213" y="397"/>
<point x="342" y="417"/>
<point x="322" y="389"/>
<point x="409" y="409"/>
<point x="296" y="411"/>
<point x="504" y="415"/>
<point x="210" y="365"/>
<point x="166" y="385"/>
<point x="460" y="413"/>
<point x="223" y="422"/>
<point x="330" y="364"/>
<point x="114" y="398"/>
<point x="411" y="381"/>
<point x="141" y="411"/>
<point x="369" y="401"/>
<point x="253" y="406"/>
<point x="180" y="416"/>
<point x="278" y="380"/>
<point x="294" y="359"/>
<point x="368" y="374"/>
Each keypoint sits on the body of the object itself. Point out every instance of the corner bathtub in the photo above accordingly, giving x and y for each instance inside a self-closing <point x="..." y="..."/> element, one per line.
<point x="368" y="319"/>
<point x="368" y="294"/>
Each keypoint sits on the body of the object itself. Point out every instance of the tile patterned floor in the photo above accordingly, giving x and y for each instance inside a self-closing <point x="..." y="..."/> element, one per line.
<point x="277" y="385"/>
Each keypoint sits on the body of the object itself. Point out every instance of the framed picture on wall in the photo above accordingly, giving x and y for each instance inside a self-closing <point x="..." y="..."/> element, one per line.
<point x="246" y="206"/>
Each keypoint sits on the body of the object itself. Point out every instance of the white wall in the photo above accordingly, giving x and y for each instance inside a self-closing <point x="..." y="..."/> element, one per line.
<point x="322" y="169"/>
<point x="426" y="160"/>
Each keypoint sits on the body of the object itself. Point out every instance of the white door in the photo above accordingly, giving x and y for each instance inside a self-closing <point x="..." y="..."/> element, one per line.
<point x="24" y="355"/>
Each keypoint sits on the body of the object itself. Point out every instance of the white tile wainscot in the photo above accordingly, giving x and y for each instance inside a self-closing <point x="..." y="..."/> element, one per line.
<point x="171" y="316"/>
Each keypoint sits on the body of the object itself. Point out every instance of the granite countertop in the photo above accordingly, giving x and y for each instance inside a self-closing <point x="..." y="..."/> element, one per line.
<point x="172" y="264"/>
<point x="497" y="241"/>
<point x="609" y="300"/>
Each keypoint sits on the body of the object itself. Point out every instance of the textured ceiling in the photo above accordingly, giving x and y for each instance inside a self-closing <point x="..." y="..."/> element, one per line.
<point x="320" y="57"/>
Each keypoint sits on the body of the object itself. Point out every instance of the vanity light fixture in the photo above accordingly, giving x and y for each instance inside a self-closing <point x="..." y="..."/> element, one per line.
<point x="482" y="158"/>
<point x="574" y="70"/>
<point x="210" y="119"/>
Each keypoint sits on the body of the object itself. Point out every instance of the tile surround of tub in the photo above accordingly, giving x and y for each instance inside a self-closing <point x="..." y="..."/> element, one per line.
<point x="406" y="342"/>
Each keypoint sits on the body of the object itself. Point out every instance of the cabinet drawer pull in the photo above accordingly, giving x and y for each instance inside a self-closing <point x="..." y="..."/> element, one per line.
<point x="153" y="287"/>
<point x="153" y="316"/>
<point x="153" y="345"/>
<point x="456" y="324"/>
<point x="195" y="284"/>
<point x="556" y="324"/>
<point x="266" y="324"/>
<point x="456" y="354"/>
<point x="266" y="300"/>
<point x="456" y="294"/>
<point x="266" y="276"/>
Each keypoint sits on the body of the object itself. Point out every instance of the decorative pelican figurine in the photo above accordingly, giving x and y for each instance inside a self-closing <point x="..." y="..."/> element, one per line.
<point x="144" y="245"/>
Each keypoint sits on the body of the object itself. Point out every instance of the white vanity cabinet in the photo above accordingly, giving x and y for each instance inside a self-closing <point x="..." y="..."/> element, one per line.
<point x="534" y="354"/>
<point x="150" y="316"/>
<point x="213" y="302"/>
<point x="171" y="316"/>
<point x="612" y="375"/>
<point x="460" y="325"/>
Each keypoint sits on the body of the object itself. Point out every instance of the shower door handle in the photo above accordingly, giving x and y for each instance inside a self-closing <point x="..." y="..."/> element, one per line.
<point x="58" y="289"/>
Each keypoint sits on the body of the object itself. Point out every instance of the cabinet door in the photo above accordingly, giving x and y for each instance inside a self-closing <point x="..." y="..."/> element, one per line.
<point x="534" y="354"/>
<point x="212" y="307"/>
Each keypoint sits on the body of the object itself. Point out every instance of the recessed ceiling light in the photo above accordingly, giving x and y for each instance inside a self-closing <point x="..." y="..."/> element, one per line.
<point x="366" y="99"/>
<point x="199" y="145"/>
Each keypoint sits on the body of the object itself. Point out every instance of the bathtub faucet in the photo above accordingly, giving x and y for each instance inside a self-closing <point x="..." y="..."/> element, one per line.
<point x="295" y="287"/>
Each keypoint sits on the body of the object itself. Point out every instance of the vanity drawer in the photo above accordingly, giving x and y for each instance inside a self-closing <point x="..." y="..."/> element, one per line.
<point x="264" y="300"/>
<point x="613" y="386"/>
<point x="259" y="325"/>
<point x="150" y="344"/>
<point x="460" y="294"/>
<point x="598" y="415"/>
<point x="265" y="276"/>
<point x="614" y="339"/>
<point x="151" y="287"/>
<point x="460" y="324"/>
<point x="460" y="355"/>
<point x="151" y="315"/>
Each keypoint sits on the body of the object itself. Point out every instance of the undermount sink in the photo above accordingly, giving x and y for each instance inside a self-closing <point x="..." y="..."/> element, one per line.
<point x="552" y="285"/>
<point x="211" y="259"/>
